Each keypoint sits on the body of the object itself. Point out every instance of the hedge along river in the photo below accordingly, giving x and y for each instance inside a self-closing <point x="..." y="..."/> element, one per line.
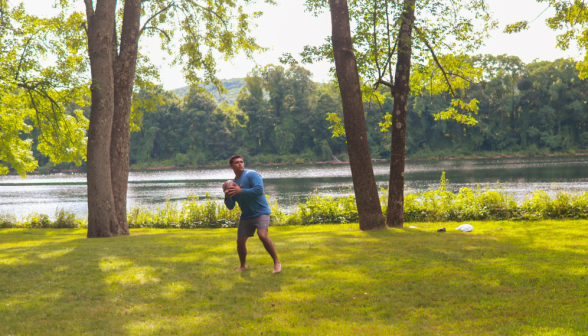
<point x="290" y="184"/>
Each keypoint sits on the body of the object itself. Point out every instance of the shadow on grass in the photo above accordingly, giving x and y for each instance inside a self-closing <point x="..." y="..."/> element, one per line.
<point x="334" y="281"/>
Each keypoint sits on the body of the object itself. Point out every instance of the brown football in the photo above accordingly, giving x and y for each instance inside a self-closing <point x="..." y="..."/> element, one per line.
<point x="228" y="184"/>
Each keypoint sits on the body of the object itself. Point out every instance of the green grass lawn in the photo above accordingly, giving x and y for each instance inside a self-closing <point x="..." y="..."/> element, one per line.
<point x="505" y="278"/>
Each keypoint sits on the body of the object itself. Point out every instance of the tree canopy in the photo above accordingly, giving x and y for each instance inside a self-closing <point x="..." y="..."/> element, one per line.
<point x="38" y="93"/>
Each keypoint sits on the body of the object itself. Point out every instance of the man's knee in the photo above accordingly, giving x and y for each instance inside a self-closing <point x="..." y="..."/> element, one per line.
<point x="262" y="234"/>
<point x="242" y="240"/>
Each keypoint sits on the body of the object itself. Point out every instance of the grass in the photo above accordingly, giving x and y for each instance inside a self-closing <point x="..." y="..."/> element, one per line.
<point x="505" y="278"/>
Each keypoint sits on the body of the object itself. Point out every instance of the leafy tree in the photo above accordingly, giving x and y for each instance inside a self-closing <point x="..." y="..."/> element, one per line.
<point x="35" y="95"/>
<point x="205" y="29"/>
<point x="426" y="39"/>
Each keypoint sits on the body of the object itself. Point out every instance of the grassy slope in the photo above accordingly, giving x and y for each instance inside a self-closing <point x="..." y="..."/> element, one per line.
<point x="528" y="278"/>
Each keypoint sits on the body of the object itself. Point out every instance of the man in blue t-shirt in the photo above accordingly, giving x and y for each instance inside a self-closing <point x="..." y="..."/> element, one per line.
<point x="255" y="212"/>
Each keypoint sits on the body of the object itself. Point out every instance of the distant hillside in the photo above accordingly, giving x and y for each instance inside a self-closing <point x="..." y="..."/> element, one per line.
<point x="233" y="85"/>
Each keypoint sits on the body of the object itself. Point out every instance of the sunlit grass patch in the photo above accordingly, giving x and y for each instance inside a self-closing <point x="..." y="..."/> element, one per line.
<point x="504" y="278"/>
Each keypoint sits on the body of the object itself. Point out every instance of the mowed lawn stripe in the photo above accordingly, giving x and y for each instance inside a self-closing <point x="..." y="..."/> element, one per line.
<point x="504" y="278"/>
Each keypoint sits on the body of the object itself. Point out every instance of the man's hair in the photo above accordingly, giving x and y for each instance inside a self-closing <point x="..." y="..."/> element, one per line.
<point x="234" y="157"/>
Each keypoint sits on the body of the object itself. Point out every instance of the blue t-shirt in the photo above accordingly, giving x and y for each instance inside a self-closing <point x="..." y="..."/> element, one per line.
<point x="252" y="199"/>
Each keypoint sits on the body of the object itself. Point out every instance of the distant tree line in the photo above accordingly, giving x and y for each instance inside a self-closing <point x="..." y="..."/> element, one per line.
<point x="533" y="108"/>
<point x="280" y="116"/>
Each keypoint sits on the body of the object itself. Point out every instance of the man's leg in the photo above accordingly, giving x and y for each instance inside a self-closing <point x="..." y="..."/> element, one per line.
<point x="269" y="247"/>
<point x="242" y="250"/>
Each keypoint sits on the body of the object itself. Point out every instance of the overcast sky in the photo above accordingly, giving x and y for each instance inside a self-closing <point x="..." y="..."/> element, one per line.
<point x="288" y="28"/>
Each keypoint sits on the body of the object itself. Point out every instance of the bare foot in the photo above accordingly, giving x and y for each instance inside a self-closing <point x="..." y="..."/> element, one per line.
<point x="277" y="268"/>
<point x="241" y="268"/>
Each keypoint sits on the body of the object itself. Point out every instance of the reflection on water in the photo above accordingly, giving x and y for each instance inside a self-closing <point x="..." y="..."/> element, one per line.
<point x="290" y="184"/>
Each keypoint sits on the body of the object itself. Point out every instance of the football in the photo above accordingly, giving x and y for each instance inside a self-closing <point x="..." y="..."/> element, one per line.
<point x="228" y="184"/>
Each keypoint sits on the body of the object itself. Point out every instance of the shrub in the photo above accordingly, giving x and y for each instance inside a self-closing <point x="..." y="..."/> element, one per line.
<point x="65" y="219"/>
<point x="327" y="209"/>
<point x="7" y="221"/>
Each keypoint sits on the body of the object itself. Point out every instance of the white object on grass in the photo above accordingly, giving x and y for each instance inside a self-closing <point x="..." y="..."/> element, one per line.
<point x="412" y="227"/>
<point x="465" y="228"/>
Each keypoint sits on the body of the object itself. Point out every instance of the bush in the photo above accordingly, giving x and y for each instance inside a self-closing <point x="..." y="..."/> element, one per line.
<point x="190" y="214"/>
<point x="65" y="220"/>
<point x="37" y="221"/>
<point x="7" y="221"/>
<point x="182" y="160"/>
<point x="319" y="210"/>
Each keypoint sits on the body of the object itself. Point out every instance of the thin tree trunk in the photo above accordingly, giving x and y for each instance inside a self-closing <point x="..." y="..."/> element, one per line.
<point x="395" y="213"/>
<point x="364" y="181"/>
<point x="124" y="66"/>
<point x="102" y="219"/>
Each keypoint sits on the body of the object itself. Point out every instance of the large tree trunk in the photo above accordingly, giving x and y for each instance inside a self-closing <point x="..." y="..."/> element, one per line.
<point x="395" y="214"/>
<point x="364" y="181"/>
<point x="124" y="65"/>
<point x="102" y="221"/>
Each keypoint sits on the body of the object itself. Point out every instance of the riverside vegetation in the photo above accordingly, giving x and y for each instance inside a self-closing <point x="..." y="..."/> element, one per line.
<point x="438" y="205"/>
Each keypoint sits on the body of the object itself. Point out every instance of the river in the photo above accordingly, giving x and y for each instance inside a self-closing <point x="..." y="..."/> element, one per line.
<point x="291" y="184"/>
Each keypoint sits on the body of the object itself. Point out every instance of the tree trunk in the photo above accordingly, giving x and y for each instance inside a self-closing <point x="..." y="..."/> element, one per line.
<point x="124" y="65"/>
<point x="395" y="214"/>
<point x="364" y="181"/>
<point x="102" y="219"/>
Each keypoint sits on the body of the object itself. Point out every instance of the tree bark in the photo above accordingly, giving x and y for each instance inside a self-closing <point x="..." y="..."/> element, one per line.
<point x="102" y="219"/>
<point x="395" y="213"/>
<point x="364" y="181"/>
<point x="124" y="66"/>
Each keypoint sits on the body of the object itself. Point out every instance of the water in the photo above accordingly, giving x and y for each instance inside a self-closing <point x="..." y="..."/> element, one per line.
<point x="290" y="184"/>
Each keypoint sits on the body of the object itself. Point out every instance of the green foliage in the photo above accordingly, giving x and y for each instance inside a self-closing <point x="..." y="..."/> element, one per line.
<point x="189" y="214"/>
<point x="279" y="116"/>
<point x="327" y="210"/>
<point x="564" y="205"/>
<point x="48" y="97"/>
<point x="444" y="33"/>
<point x="63" y="220"/>
<point x="193" y="213"/>
<point x="534" y="108"/>
<point x="516" y="27"/>
<point x="437" y="205"/>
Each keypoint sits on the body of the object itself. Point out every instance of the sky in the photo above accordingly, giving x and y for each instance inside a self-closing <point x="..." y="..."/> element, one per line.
<point x="287" y="28"/>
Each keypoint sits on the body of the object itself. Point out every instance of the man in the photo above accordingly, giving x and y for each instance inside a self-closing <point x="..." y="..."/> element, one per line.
<point x="255" y="212"/>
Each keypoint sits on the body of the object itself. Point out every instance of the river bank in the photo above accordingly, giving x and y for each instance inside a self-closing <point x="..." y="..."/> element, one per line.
<point x="438" y="205"/>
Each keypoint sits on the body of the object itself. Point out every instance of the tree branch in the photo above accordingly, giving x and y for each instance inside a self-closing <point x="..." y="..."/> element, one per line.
<point x="388" y="84"/>
<point x="422" y="37"/>
<point x="212" y="12"/>
<point x="376" y="41"/>
<point x="26" y="47"/>
<point x="89" y="8"/>
<point x="160" y="30"/>
<point x="154" y="15"/>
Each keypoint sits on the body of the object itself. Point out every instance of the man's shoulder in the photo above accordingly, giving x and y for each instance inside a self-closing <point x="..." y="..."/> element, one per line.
<point x="251" y="171"/>
<point x="252" y="174"/>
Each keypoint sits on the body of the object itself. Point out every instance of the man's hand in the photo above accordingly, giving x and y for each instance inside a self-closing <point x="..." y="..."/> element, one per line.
<point x="232" y="191"/>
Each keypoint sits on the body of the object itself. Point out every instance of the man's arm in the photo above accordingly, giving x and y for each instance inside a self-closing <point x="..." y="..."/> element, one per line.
<point x="229" y="202"/>
<point x="257" y="185"/>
